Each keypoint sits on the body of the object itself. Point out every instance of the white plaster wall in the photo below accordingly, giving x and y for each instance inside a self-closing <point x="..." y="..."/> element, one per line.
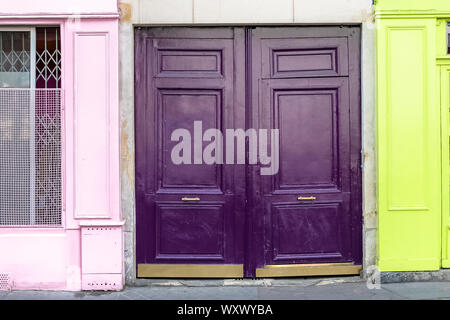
<point x="48" y="7"/>
<point x="329" y="11"/>
<point x="226" y="12"/>
<point x="248" y="11"/>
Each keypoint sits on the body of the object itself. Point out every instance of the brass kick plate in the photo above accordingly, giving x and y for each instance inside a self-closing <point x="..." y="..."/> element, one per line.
<point x="301" y="270"/>
<point x="190" y="271"/>
<point x="237" y="271"/>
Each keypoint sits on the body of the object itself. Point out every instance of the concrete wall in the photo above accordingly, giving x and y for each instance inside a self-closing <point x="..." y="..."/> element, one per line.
<point x="246" y="11"/>
<point x="225" y="12"/>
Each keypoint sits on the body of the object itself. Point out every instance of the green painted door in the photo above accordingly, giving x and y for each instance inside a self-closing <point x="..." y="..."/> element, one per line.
<point x="408" y="145"/>
<point x="443" y="62"/>
<point x="445" y="107"/>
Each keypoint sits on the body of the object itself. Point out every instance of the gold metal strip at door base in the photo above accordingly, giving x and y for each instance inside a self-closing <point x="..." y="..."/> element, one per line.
<point x="301" y="270"/>
<point x="190" y="270"/>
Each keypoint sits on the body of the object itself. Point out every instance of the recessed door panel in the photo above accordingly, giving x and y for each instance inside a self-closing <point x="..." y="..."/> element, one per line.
<point x="180" y="109"/>
<point x="304" y="57"/>
<point x="305" y="232"/>
<point x="308" y="124"/>
<point x="189" y="232"/>
<point x="313" y="123"/>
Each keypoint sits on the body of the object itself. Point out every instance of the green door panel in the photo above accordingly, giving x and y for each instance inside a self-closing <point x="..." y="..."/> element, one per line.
<point x="445" y="101"/>
<point x="408" y="146"/>
<point x="412" y="5"/>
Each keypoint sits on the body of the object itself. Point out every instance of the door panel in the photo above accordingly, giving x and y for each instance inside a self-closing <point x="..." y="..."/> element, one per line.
<point x="445" y="132"/>
<point x="179" y="109"/>
<point x="189" y="232"/>
<point x="188" y="213"/>
<point x="308" y="212"/>
<point x="304" y="58"/>
<point x="303" y="232"/>
<point x="312" y="118"/>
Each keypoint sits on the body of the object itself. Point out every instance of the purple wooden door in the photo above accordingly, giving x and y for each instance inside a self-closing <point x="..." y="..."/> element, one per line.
<point x="188" y="213"/>
<point x="306" y="84"/>
<point x="303" y="82"/>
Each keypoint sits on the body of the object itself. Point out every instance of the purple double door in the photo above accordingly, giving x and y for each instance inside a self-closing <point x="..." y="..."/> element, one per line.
<point x="229" y="220"/>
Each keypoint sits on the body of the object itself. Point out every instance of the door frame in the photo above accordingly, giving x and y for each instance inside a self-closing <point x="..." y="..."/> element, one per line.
<point x="356" y="161"/>
<point x="443" y="71"/>
<point x="444" y="76"/>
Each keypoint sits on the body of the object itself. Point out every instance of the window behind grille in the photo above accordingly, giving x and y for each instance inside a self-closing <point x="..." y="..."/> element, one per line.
<point x="448" y="38"/>
<point x="30" y="127"/>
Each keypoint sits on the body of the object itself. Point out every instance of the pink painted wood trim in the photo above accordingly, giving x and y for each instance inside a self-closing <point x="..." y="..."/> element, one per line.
<point x="28" y="250"/>
<point x="32" y="21"/>
<point x="27" y="7"/>
<point x="82" y="189"/>
<point x="101" y="223"/>
<point x="61" y="24"/>
<point x="59" y="16"/>
<point x="92" y="27"/>
<point x="63" y="119"/>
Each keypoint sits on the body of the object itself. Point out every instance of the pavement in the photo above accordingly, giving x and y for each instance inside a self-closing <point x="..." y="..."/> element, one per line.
<point x="344" y="288"/>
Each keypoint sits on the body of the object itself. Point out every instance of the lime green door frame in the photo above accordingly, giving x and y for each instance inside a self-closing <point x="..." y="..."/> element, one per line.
<point x="412" y="135"/>
<point x="443" y="64"/>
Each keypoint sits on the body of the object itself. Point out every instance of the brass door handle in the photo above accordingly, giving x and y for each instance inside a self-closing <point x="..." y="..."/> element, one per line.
<point x="190" y="199"/>
<point x="306" y="198"/>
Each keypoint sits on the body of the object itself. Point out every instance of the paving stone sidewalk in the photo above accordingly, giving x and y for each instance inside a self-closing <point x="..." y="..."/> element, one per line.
<point x="346" y="288"/>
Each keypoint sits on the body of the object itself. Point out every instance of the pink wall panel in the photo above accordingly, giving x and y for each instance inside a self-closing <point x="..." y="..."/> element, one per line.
<point x="51" y="258"/>
<point x="91" y="109"/>
<point x="92" y="122"/>
<point x="47" y="7"/>
<point x="104" y="239"/>
<point x="35" y="260"/>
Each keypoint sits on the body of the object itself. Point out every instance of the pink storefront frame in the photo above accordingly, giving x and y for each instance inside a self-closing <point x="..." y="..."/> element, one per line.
<point x="54" y="23"/>
<point x="66" y="240"/>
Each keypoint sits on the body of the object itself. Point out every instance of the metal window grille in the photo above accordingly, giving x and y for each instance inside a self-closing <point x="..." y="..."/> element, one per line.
<point x="30" y="157"/>
<point x="448" y="38"/>
<point x="14" y="52"/>
<point x="15" y="59"/>
<point x="48" y="157"/>
<point x="5" y="282"/>
<point x="30" y="128"/>
<point x="15" y="193"/>
<point x="48" y="58"/>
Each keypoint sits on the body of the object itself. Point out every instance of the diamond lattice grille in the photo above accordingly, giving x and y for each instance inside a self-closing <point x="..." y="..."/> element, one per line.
<point x="15" y="61"/>
<point x="48" y="58"/>
<point x="14" y="51"/>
